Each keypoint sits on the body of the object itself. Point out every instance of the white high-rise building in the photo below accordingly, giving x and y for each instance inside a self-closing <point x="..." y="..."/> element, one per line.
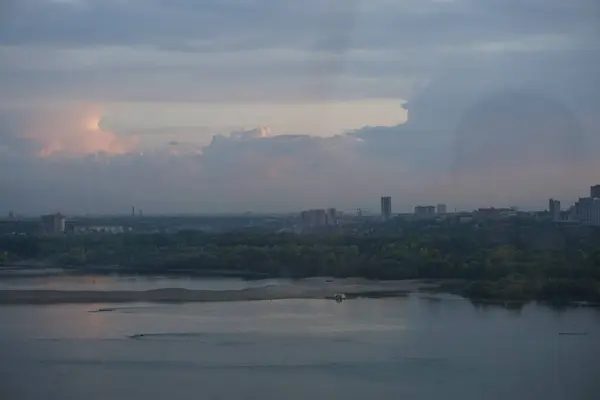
<point x="588" y="210"/>
<point x="554" y="208"/>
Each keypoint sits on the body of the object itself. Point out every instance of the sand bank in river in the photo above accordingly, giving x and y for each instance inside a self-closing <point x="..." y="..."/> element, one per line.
<point x="313" y="288"/>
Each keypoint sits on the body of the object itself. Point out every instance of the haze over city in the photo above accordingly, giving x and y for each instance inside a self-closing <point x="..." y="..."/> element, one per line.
<point x="268" y="106"/>
<point x="299" y="199"/>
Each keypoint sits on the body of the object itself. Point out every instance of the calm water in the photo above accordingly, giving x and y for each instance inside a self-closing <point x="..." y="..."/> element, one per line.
<point x="404" y="348"/>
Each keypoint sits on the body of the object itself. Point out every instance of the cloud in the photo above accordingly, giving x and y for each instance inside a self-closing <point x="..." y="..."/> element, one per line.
<point x="215" y="24"/>
<point x="70" y="131"/>
<point x="266" y="49"/>
<point x="470" y="140"/>
<point x="502" y="99"/>
<point x="261" y="132"/>
<point x="291" y="172"/>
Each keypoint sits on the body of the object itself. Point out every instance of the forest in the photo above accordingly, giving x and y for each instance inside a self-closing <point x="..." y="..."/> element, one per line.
<point x="517" y="259"/>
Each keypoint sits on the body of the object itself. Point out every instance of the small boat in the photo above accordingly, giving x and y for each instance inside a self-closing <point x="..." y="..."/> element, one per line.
<point x="137" y="336"/>
<point x="339" y="297"/>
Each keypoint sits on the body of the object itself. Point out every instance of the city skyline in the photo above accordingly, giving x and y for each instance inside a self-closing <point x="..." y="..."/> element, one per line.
<point x="315" y="199"/>
<point x="385" y="209"/>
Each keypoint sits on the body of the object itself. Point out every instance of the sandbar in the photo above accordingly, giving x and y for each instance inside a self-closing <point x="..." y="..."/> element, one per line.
<point x="312" y="288"/>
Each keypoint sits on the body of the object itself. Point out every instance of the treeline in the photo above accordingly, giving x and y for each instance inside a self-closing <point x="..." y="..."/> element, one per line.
<point x="512" y="259"/>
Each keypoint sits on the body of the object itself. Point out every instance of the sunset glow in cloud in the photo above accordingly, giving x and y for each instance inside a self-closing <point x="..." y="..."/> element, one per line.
<point x="499" y="98"/>
<point x="76" y="132"/>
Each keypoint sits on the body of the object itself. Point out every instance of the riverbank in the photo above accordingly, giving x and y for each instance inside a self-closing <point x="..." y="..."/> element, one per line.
<point x="58" y="287"/>
<point x="311" y="288"/>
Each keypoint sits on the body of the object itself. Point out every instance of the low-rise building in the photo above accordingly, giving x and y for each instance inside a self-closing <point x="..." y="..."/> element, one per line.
<point x="53" y="224"/>
<point x="425" y="211"/>
<point x="494" y="213"/>
<point x="314" y="218"/>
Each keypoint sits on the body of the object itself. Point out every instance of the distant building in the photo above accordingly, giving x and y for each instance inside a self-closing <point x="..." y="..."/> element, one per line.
<point x="494" y="213"/>
<point x="331" y="217"/>
<point x="319" y="217"/>
<point x="595" y="191"/>
<point x="441" y="209"/>
<point x="587" y="210"/>
<point x="386" y="207"/>
<point x="53" y="224"/>
<point x="100" y="229"/>
<point x="554" y="209"/>
<point x="572" y="214"/>
<point x="304" y="217"/>
<point x="314" y="218"/>
<point x="425" y="211"/>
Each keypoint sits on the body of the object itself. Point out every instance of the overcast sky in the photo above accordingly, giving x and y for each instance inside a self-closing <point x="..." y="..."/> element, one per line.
<point x="160" y="103"/>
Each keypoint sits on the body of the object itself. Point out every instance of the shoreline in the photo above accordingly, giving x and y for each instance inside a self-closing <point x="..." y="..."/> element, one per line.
<point x="305" y="289"/>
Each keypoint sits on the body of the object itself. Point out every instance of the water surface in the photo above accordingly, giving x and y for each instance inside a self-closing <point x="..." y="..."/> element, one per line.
<point x="411" y="348"/>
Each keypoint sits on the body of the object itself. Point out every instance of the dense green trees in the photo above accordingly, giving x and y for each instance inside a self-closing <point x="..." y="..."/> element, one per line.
<point x="516" y="259"/>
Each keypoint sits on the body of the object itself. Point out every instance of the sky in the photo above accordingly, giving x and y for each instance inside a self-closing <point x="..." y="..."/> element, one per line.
<point x="277" y="105"/>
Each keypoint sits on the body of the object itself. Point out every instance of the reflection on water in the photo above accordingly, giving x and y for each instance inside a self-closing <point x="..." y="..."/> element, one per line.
<point x="413" y="347"/>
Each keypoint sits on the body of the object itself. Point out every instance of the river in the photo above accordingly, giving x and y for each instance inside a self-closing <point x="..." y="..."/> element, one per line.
<point x="413" y="347"/>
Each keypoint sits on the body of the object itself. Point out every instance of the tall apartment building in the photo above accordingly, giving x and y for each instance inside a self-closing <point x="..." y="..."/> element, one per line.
<point x="386" y="207"/>
<point x="587" y="210"/>
<point x="595" y="191"/>
<point x="554" y="208"/>
<point x="442" y="209"/>
<point x="331" y="217"/>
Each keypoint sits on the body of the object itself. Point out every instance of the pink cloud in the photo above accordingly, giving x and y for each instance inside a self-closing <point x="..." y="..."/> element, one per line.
<point x="75" y="131"/>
